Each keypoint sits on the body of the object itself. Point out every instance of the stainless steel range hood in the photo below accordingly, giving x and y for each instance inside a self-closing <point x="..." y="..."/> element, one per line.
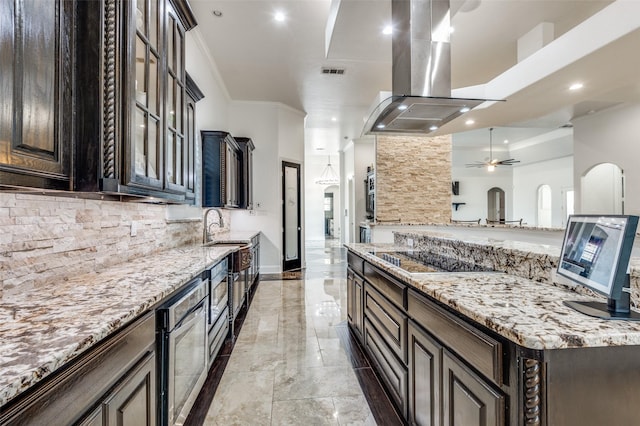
<point x="421" y="101"/>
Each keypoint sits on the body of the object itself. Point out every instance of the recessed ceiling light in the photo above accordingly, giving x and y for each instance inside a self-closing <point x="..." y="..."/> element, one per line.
<point x="576" y="86"/>
<point x="432" y="128"/>
<point x="506" y="141"/>
<point x="469" y="122"/>
<point x="217" y="13"/>
<point x="402" y="107"/>
<point x="387" y="30"/>
<point x="465" y="109"/>
<point x="279" y="16"/>
<point x="334" y="119"/>
<point x="380" y="126"/>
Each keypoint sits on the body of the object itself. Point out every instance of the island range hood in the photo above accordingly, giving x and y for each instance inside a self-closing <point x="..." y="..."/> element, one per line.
<point x="421" y="100"/>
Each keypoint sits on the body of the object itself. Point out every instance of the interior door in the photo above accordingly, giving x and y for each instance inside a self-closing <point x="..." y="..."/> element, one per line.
<point x="495" y="205"/>
<point x="291" y="217"/>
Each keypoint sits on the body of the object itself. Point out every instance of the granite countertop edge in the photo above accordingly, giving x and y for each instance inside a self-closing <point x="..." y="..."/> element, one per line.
<point x="46" y="327"/>
<point x="528" y="313"/>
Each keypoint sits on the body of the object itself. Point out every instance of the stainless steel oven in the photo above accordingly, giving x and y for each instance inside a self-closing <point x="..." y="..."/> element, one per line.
<point x="182" y="331"/>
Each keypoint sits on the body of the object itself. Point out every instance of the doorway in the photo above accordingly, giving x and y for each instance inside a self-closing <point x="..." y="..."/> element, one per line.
<point x="328" y="215"/>
<point x="291" y="217"/>
<point x="544" y="206"/>
<point x="495" y="205"/>
<point x="602" y="190"/>
<point x="331" y="209"/>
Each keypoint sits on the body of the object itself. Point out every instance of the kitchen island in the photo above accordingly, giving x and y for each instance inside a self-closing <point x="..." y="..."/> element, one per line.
<point x="46" y="329"/>
<point x="493" y="348"/>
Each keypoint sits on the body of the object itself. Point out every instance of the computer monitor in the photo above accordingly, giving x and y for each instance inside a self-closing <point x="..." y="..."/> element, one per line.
<point x="595" y="253"/>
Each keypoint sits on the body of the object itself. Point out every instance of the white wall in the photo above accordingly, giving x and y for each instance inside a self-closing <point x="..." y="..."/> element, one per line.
<point x="276" y="131"/>
<point x="278" y="134"/>
<point x="474" y="185"/>
<point x="314" y="196"/>
<point x="558" y="174"/>
<point x="347" y="172"/>
<point x="212" y="110"/>
<point x="601" y="190"/>
<point x="358" y="155"/>
<point x="610" y="136"/>
<point x="364" y="156"/>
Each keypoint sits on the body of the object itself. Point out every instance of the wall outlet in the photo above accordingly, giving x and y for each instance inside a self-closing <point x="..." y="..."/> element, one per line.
<point x="134" y="228"/>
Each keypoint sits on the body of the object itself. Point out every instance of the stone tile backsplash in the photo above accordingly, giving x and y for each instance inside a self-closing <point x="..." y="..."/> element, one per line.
<point x="44" y="238"/>
<point x="410" y="179"/>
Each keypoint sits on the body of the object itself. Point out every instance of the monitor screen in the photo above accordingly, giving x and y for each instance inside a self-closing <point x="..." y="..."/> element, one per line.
<point x="596" y="251"/>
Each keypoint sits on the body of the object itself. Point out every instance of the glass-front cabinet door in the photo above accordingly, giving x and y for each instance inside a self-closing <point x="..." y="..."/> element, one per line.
<point x="176" y="152"/>
<point x="146" y="118"/>
<point x="156" y="152"/>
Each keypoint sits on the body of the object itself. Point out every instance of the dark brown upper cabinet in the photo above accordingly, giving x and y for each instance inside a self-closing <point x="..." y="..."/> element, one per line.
<point x="36" y="112"/>
<point x="221" y="170"/>
<point x="246" y="149"/>
<point x="133" y="137"/>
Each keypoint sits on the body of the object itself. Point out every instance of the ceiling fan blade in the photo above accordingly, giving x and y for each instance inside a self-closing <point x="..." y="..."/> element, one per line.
<point x="476" y="164"/>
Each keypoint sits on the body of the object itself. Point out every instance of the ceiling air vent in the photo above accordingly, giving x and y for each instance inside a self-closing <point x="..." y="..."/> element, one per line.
<point x="328" y="70"/>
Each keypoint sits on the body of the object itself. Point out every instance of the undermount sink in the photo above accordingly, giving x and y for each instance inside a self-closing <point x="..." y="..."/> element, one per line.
<point x="240" y="259"/>
<point x="223" y="243"/>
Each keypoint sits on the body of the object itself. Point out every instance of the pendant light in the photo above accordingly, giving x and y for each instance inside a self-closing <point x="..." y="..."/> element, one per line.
<point x="493" y="162"/>
<point x="328" y="176"/>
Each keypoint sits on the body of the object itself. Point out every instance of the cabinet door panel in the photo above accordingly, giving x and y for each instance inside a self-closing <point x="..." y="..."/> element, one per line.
<point x="141" y="97"/>
<point x="392" y="371"/>
<point x="425" y="379"/>
<point x="468" y="400"/>
<point x="134" y="401"/>
<point x="35" y="116"/>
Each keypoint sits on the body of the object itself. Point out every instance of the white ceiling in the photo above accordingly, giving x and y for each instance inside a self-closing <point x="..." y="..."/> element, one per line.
<point x="263" y="60"/>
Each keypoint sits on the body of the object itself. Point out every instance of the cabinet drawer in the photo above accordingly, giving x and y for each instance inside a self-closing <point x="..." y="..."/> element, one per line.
<point x="390" y="322"/>
<point x="478" y="349"/>
<point x="356" y="263"/>
<point x="392" y="371"/>
<point x="217" y="334"/>
<point x="392" y="289"/>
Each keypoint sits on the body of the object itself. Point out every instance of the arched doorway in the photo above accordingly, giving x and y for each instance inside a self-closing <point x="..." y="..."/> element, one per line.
<point x="602" y="190"/>
<point x="544" y="206"/>
<point x="495" y="205"/>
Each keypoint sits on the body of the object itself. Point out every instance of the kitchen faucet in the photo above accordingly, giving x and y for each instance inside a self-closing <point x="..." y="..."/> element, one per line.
<point x="206" y="228"/>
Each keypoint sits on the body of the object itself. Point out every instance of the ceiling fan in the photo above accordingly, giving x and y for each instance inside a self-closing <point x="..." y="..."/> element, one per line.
<point x="492" y="163"/>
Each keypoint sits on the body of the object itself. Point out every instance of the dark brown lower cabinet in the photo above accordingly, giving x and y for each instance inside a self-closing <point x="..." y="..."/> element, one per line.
<point x="132" y="402"/>
<point x="425" y="384"/>
<point x="355" y="288"/>
<point x="443" y="368"/>
<point x="392" y="371"/>
<point x="467" y="398"/>
<point x="111" y="384"/>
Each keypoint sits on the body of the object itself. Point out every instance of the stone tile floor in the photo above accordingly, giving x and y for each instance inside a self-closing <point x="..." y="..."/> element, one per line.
<point x="288" y="365"/>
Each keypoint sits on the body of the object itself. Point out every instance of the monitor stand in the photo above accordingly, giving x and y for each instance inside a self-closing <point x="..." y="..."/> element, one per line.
<point x="601" y="310"/>
<point x="614" y="308"/>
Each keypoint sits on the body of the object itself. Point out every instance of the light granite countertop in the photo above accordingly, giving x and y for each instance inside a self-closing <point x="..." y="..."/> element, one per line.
<point x="528" y="313"/>
<point x="46" y="327"/>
